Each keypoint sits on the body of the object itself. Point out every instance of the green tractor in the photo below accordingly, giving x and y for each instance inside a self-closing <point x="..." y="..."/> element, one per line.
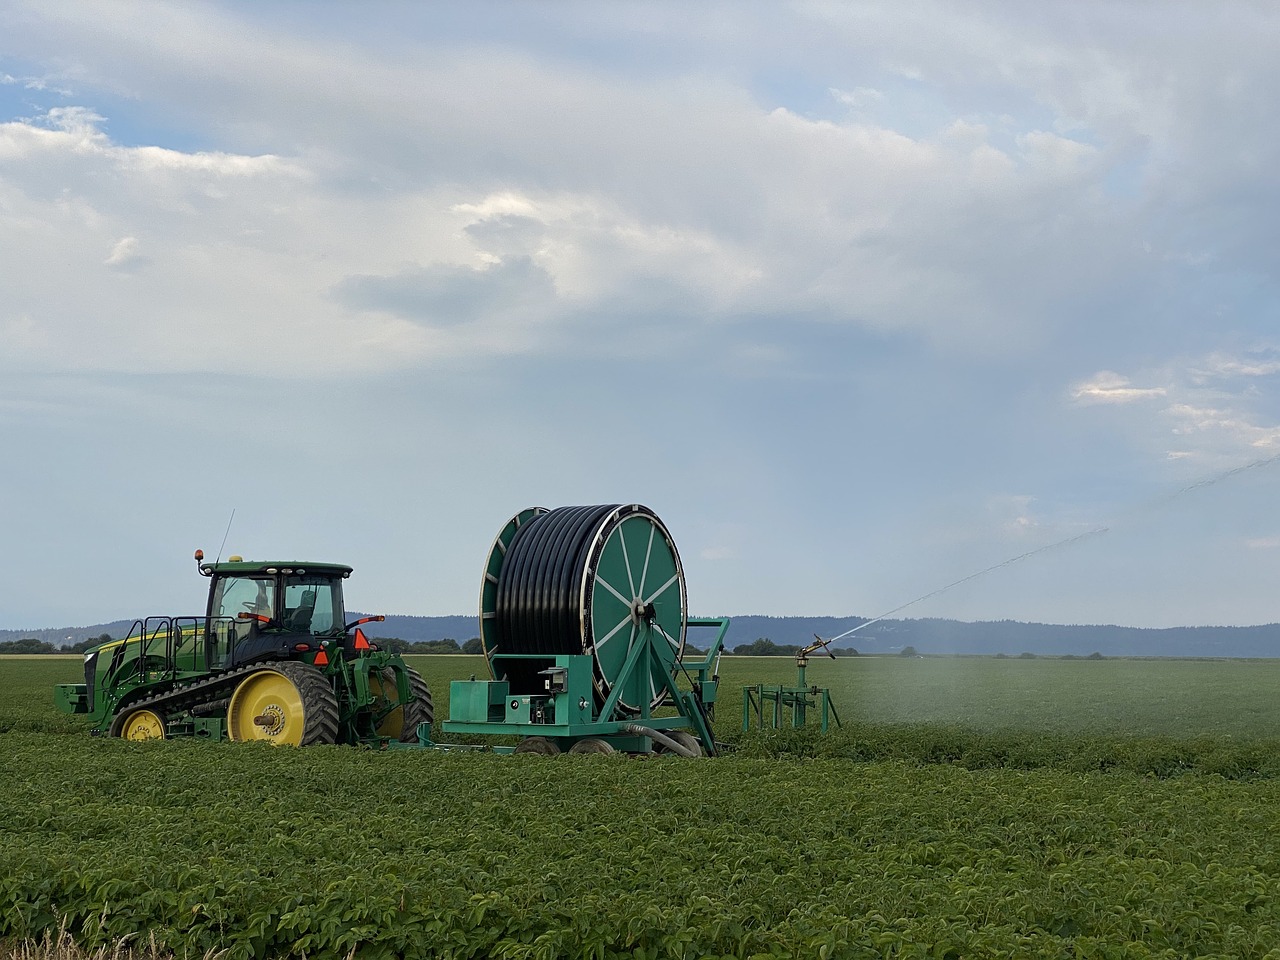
<point x="273" y="659"/>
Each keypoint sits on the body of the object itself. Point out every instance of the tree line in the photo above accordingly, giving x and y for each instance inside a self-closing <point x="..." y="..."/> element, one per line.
<point x="447" y="645"/>
<point x="764" y="647"/>
<point x="32" y="645"/>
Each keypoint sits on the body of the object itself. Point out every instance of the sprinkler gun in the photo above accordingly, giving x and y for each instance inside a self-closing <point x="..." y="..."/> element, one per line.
<point x="802" y="658"/>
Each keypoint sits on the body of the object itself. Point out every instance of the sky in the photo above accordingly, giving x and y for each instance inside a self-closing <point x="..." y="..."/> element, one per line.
<point x="860" y="299"/>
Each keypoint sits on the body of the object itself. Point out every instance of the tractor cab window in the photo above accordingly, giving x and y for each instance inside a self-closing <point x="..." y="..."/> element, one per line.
<point x="312" y="604"/>
<point x="233" y="596"/>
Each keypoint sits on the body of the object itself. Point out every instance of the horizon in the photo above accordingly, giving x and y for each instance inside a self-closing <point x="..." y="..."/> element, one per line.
<point x="742" y="616"/>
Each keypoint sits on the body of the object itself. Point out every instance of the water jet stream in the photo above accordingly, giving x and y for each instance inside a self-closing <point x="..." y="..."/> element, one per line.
<point x="974" y="576"/>
<point x="1190" y="488"/>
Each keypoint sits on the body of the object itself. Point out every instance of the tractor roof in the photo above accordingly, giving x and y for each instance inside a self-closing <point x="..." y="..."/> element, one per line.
<point x="231" y="568"/>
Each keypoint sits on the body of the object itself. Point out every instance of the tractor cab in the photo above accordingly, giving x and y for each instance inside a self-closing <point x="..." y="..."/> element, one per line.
<point x="260" y="609"/>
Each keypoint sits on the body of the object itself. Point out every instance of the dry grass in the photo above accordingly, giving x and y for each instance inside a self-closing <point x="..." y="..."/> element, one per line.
<point x="61" y="946"/>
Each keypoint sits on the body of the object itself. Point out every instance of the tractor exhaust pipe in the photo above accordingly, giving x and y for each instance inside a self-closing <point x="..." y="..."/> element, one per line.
<point x="674" y="746"/>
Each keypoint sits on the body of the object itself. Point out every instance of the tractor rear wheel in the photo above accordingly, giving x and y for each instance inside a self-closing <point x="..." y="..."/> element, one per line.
<point x="288" y="702"/>
<point x="402" y="722"/>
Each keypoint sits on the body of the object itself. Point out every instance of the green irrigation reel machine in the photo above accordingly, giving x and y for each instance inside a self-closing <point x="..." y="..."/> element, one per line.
<point x="584" y="623"/>
<point x="583" y="620"/>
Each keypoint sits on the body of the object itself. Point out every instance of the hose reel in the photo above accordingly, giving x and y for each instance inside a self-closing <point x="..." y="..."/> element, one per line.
<point x="592" y="580"/>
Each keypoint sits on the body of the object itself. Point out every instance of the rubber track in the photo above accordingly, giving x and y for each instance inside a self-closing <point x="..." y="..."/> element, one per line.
<point x="187" y="695"/>
<point x="320" y="709"/>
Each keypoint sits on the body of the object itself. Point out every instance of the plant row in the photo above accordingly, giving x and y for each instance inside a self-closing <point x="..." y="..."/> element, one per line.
<point x="326" y="851"/>
<point x="1148" y="756"/>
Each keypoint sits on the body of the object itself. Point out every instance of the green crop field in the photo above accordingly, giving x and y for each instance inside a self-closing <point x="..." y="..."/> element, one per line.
<point x="1182" y="698"/>
<point x="968" y="808"/>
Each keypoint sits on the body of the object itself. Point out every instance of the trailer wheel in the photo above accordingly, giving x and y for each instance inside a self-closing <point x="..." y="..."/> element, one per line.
<point x="538" y="745"/>
<point x="592" y="745"/>
<point x="288" y="702"/>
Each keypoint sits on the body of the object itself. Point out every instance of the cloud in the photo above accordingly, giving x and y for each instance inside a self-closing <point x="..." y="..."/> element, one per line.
<point x="507" y="234"/>
<point x="497" y="205"/>
<point x="1219" y="426"/>
<point x="858" y="98"/>
<point x="1210" y="407"/>
<point x="217" y="232"/>
<point x="1061" y="156"/>
<point x="716" y="554"/>
<point x="1109" y="387"/>
<point x="81" y="121"/>
<point x="41" y="84"/>
<point x="1260" y="362"/>
<point x="1014" y="512"/>
<point x="746" y="206"/>
<point x="74" y="134"/>
<point x="442" y="296"/>
<point x="124" y="254"/>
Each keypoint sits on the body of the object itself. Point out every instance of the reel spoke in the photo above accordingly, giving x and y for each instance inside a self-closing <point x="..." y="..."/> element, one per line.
<point x="608" y="586"/>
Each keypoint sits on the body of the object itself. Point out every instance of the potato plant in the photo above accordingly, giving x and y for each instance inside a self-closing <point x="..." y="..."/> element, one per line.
<point x="899" y="839"/>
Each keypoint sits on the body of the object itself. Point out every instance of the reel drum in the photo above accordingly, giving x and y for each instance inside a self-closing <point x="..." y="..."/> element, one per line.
<point x="592" y="580"/>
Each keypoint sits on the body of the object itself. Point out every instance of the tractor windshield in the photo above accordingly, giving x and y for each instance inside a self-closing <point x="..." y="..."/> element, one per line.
<point x="233" y="596"/>
<point x="312" y="604"/>
<point x="299" y="603"/>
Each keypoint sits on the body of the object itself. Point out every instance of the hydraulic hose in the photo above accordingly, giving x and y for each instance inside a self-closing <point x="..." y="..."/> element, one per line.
<point x="673" y="745"/>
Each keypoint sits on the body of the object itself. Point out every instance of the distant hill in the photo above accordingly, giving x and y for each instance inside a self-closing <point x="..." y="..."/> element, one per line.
<point x="1013" y="637"/>
<point x="1010" y="637"/>
<point x="414" y="629"/>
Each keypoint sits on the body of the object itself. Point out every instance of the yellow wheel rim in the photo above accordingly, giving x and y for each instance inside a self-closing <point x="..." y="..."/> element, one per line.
<point x="266" y="706"/>
<point x="392" y="724"/>
<point x="143" y="725"/>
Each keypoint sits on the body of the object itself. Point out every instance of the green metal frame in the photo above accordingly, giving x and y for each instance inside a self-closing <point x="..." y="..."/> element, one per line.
<point x="567" y="712"/>
<point x="799" y="700"/>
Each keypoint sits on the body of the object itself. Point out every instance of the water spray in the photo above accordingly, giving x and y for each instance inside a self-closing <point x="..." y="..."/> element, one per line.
<point x="1190" y="488"/>
<point x="1210" y="481"/>
<point x="973" y="576"/>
